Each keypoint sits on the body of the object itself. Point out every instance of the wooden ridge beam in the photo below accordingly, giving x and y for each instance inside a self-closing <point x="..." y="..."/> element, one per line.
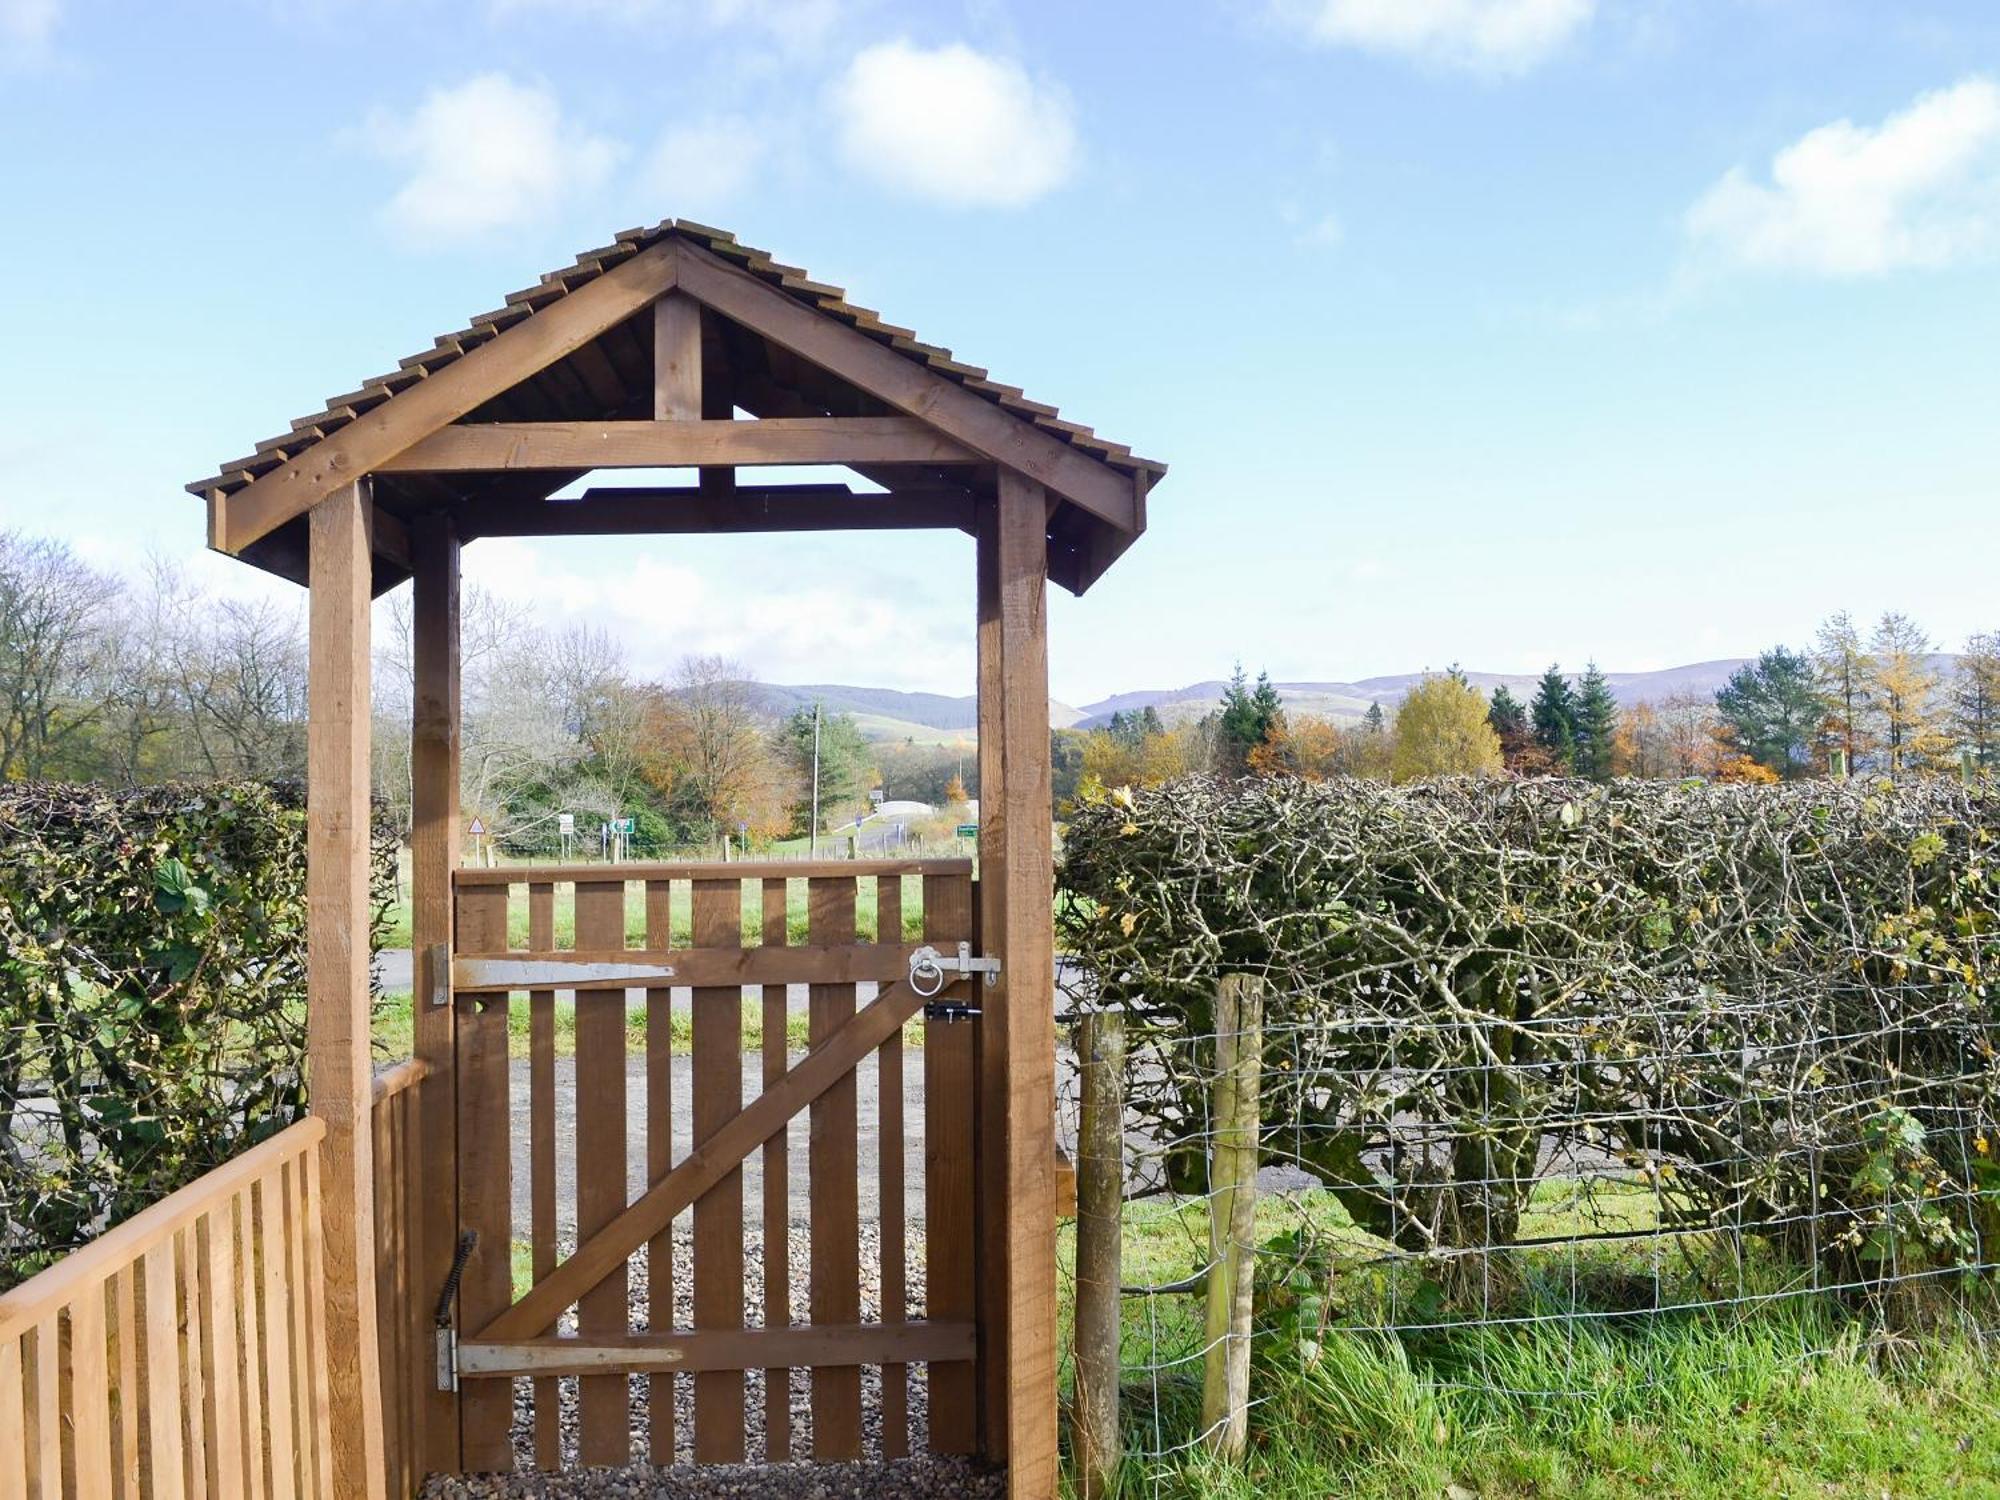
<point x="486" y="447"/>
<point x="673" y="511"/>
<point x="367" y="443"/>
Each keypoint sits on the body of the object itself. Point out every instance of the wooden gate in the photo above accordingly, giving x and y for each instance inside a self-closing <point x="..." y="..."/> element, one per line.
<point x="719" y="934"/>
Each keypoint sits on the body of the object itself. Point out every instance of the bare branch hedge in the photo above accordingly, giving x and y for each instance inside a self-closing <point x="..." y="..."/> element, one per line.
<point x="152" y="995"/>
<point x="1773" y="1005"/>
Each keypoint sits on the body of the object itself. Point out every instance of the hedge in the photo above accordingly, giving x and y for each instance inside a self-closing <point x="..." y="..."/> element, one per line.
<point x="1775" y="1005"/>
<point x="152" y="995"/>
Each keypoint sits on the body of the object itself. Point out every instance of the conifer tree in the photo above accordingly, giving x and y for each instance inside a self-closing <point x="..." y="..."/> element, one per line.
<point x="1249" y="718"/>
<point x="1842" y="666"/>
<point x="1373" y="720"/>
<point x="1772" y="709"/>
<point x="1596" y="725"/>
<point x="1553" y="716"/>
<point x="1975" y="700"/>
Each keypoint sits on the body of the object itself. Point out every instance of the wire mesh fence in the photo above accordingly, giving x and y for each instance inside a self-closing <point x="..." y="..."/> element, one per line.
<point x="1559" y="1090"/>
<point x="1507" y="1225"/>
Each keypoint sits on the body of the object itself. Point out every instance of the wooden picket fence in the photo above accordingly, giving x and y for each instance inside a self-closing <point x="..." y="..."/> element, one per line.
<point x="408" y="1358"/>
<point x="182" y="1354"/>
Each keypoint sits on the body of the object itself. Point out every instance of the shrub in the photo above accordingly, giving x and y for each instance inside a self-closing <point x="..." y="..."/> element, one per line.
<point x="1772" y="1004"/>
<point x="152" y="995"/>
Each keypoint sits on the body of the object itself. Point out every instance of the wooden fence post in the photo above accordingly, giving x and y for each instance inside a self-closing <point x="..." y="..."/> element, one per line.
<point x="1232" y="1205"/>
<point x="1100" y="1209"/>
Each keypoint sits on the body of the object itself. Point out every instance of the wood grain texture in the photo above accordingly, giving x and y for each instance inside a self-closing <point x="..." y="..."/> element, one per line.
<point x="485" y="1177"/>
<point x="777" y="1185"/>
<point x="676" y="359"/>
<point x="718" y="1213"/>
<point x="892" y="1225"/>
<point x="835" y="1295"/>
<point x="747" y="869"/>
<point x="542" y="1155"/>
<point x="434" y="854"/>
<point x="338" y="999"/>
<point x="660" y="1271"/>
<point x="1018" y="928"/>
<point x="500" y="447"/>
<point x="605" y="1423"/>
<point x="364" y="445"/>
<point x="982" y="426"/>
<point x="951" y="1092"/>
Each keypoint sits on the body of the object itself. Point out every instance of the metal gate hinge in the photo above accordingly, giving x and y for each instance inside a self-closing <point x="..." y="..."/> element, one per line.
<point x="447" y="1330"/>
<point x="931" y="971"/>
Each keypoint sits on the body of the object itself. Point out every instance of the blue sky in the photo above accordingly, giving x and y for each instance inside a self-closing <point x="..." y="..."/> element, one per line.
<point x="1496" y="331"/>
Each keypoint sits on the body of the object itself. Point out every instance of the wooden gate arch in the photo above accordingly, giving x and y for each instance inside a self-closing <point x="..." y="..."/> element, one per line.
<point x="642" y="355"/>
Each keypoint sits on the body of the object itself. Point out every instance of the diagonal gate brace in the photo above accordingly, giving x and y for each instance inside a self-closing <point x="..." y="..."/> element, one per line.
<point x="706" y="1165"/>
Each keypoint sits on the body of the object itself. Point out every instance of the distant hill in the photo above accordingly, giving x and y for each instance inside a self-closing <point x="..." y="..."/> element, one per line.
<point x="884" y="714"/>
<point x="1346" y="702"/>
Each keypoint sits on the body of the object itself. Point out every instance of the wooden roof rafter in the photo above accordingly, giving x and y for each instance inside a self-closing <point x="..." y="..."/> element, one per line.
<point x="542" y="390"/>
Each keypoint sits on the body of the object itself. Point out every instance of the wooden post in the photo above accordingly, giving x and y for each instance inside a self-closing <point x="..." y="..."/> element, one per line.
<point x="434" y="853"/>
<point x="1100" y="1209"/>
<point x="337" y="998"/>
<point x="1017" y="1273"/>
<point x="1232" y="1206"/>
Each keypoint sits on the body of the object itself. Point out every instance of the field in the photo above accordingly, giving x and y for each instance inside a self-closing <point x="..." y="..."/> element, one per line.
<point x="1788" y="1400"/>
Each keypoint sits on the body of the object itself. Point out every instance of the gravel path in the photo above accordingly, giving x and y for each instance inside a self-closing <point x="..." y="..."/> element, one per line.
<point x="923" y="1477"/>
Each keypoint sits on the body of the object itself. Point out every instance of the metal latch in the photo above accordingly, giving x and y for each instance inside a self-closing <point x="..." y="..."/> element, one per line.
<point x="447" y="1332"/>
<point x="931" y="971"/>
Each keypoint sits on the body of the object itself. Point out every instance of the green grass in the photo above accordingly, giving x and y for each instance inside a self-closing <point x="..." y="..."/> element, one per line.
<point x="394" y="1036"/>
<point x="1789" y="1398"/>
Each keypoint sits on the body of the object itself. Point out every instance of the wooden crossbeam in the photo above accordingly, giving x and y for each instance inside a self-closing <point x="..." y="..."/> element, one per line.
<point x="639" y="968"/>
<point x="806" y="1347"/>
<point x="705" y="1166"/>
<point x="487" y="447"/>
<point x="675" y="511"/>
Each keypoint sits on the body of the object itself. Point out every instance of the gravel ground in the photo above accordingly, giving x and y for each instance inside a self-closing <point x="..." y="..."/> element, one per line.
<point x="910" y="1478"/>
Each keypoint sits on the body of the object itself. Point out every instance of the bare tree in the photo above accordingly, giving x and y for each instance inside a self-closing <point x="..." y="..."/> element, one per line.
<point x="53" y="610"/>
<point x="711" y="729"/>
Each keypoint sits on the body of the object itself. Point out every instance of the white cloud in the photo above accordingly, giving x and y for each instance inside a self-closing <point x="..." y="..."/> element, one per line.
<point x="27" y="27"/>
<point x="661" y="611"/>
<point x="487" y="154"/>
<point x="953" y="124"/>
<point x="706" y="163"/>
<point x="1495" y="36"/>
<point x="1922" y="189"/>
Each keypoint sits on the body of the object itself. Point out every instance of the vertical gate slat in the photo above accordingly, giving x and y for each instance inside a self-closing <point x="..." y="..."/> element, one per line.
<point x="659" y="1161"/>
<point x="215" y="1239"/>
<point x="187" y="1271"/>
<point x="891" y="1211"/>
<point x="247" y="1302"/>
<point x="13" y="1422"/>
<point x="125" y="1318"/>
<point x="717" y="1058"/>
<point x="836" y="1208"/>
<point x="315" y="1308"/>
<point x="949" y="1091"/>
<point x="315" y="1455"/>
<point x="542" y="1153"/>
<point x="485" y="1177"/>
<point x="163" y="1390"/>
<point x="606" y="1424"/>
<point x="278" y="1367"/>
<point x="777" y="1187"/>
<point x="89" y="1394"/>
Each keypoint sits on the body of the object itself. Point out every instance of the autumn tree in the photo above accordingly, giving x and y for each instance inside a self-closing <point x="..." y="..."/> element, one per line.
<point x="712" y="756"/>
<point x="1975" y="700"/>
<point x="1901" y="687"/>
<point x="1842" y="667"/>
<point x="1245" y="720"/>
<point x="1688" y="733"/>
<point x="1772" y="711"/>
<point x="1442" y="730"/>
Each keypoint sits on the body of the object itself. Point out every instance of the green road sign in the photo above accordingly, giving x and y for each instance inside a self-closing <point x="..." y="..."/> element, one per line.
<point x="968" y="830"/>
